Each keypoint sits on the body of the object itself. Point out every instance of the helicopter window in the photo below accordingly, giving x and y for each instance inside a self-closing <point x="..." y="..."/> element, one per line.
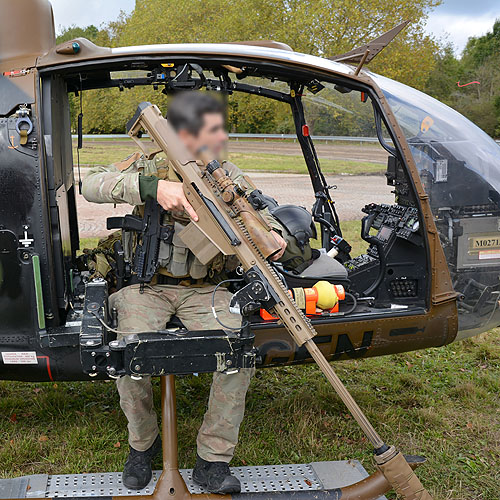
<point x="393" y="267"/>
<point x="435" y="131"/>
<point x="350" y="165"/>
<point x="459" y="166"/>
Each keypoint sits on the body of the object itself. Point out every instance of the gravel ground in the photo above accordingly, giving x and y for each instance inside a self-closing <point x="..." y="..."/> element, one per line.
<point x="353" y="193"/>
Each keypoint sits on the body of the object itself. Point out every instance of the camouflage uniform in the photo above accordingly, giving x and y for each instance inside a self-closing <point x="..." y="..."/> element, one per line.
<point x="218" y="435"/>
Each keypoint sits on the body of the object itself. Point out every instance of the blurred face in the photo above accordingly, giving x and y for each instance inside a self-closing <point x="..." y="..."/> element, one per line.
<point x="212" y="135"/>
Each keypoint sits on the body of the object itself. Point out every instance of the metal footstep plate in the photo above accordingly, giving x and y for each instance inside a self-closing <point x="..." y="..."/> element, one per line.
<point x="265" y="478"/>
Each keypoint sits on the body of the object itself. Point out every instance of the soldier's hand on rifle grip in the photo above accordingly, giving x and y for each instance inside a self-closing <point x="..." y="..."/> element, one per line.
<point x="282" y="243"/>
<point x="170" y="196"/>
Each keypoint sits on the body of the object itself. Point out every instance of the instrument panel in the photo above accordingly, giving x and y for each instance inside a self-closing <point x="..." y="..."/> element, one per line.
<point x="393" y="232"/>
<point x="395" y="220"/>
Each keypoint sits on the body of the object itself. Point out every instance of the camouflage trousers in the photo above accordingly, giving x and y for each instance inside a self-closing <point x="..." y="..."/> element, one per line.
<point x="151" y="310"/>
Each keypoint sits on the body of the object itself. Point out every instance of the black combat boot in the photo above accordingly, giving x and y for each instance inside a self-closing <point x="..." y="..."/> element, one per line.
<point x="137" y="471"/>
<point x="215" y="477"/>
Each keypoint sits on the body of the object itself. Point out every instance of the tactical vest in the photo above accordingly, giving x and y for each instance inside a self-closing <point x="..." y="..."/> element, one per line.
<point x="175" y="259"/>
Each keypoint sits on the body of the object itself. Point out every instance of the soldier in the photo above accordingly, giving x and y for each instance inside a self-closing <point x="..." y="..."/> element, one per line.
<point x="183" y="286"/>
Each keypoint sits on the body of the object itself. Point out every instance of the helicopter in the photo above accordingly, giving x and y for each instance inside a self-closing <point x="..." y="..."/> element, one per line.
<point x="430" y="275"/>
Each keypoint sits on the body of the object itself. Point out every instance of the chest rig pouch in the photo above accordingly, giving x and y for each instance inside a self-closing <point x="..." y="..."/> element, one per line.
<point x="175" y="259"/>
<point x="151" y="235"/>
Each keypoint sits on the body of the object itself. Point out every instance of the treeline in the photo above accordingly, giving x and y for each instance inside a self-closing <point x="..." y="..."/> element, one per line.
<point x="480" y="62"/>
<point x="319" y="27"/>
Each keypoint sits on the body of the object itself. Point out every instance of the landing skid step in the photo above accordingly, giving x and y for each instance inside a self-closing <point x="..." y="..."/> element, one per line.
<point x="264" y="478"/>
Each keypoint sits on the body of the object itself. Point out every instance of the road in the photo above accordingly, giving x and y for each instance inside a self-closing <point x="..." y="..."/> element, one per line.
<point x="352" y="193"/>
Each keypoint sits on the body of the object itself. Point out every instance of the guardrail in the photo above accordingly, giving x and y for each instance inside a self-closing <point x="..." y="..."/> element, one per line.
<point x="332" y="138"/>
<point x="250" y="136"/>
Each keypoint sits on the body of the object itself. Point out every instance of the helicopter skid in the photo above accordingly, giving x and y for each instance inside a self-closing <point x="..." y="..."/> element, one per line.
<point x="301" y="480"/>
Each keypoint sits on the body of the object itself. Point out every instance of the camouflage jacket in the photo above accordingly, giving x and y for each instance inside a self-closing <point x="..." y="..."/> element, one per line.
<point x="119" y="183"/>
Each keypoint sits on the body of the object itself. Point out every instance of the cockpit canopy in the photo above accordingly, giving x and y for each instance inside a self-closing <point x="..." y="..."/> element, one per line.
<point x="438" y="134"/>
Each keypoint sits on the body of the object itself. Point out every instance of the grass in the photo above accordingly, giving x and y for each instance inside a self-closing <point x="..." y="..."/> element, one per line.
<point x="295" y="164"/>
<point x="88" y="243"/>
<point x="105" y="153"/>
<point x="443" y="403"/>
<point x="351" y="232"/>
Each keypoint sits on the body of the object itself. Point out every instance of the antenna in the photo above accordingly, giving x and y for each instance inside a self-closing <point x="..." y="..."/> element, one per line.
<point x="363" y="55"/>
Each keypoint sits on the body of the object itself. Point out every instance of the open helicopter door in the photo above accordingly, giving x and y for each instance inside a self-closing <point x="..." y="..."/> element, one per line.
<point x="30" y="295"/>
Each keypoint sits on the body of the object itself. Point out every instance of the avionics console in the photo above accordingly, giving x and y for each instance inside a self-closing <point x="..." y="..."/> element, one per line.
<point x="395" y="259"/>
<point x="395" y="220"/>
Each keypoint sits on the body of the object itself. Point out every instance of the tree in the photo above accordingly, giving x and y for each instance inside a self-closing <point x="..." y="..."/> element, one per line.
<point x="442" y="81"/>
<point x="318" y="27"/>
<point x="73" y="31"/>
<point x="480" y="62"/>
<point x="479" y="49"/>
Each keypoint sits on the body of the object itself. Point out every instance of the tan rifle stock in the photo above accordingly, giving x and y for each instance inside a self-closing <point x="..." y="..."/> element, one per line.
<point x="237" y="239"/>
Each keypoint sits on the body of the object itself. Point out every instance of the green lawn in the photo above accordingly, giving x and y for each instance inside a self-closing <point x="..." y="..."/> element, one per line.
<point x="106" y="152"/>
<point x="88" y="243"/>
<point x="443" y="403"/>
<point x="295" y="164"/>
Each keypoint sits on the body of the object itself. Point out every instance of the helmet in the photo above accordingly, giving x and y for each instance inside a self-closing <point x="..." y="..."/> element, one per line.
<point x="299" y="229"/>
<point x="297" y="221"/>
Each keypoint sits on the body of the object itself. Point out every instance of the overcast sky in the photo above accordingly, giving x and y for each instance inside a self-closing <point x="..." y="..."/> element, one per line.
<point x="454" y="20"/>
<point x="457" y="20"/>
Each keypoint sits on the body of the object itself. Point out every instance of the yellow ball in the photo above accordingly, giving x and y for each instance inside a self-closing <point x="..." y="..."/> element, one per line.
<point x="327" y="295"/>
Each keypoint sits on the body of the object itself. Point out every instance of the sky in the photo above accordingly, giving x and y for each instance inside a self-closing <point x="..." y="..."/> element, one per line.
<point x="457" y="20"/>
<point x="454" y="20"/>
<point x="86" y="12"/>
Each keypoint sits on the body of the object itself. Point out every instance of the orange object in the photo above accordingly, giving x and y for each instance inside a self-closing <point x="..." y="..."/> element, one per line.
<point x="323" y="292"/>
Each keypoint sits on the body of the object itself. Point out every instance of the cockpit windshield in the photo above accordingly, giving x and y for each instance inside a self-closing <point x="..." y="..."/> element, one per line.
<point x="427" y="123"/>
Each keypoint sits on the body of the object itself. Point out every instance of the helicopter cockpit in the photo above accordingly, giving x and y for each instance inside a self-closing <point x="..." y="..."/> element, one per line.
<point x="459" y="166"/>
<point x="375" y="235"/>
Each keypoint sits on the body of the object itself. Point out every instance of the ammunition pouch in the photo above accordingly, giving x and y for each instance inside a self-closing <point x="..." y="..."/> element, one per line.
<point x="180" y="261"/>
<point x="174" y="258"/>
